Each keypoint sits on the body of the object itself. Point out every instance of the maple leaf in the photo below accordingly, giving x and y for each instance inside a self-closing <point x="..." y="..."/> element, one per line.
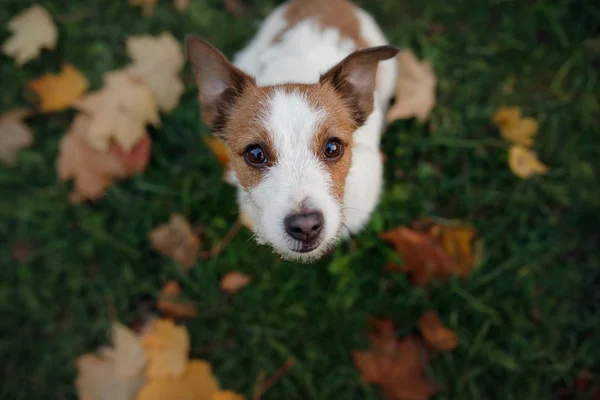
<point x="396" y="365"/>
<point x="147" y="6"/>
<point x="233" y="281"/>
<point x="171" y="305"/>
<point x="415" y="88"/>
<point x="33" y="29"/>
<point x="524" y="162"/>
<point x="195" y="383"/>
<point x="436" y="335"/>
<point x="59" y="91"/>
<point x="114" y="373"/>
<point x="14" y="135"/>
<point x="158" y="62"/>
<point x="92" y="170"/>
<point x="176" y="240"/>
<point x="166" y="347"/>
<point x="120" y="112"/>
<point x="514" y="128"/>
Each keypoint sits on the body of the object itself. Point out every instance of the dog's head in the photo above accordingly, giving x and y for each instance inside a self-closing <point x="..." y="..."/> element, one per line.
<point x="290" y="144"/>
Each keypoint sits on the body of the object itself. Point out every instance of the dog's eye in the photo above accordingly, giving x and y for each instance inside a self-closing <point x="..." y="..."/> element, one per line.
<point x="256" y="156"/>
<point x="333" y="149"/>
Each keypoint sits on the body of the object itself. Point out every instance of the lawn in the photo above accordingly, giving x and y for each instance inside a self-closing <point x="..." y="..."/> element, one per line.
<point x="528" y="317"/>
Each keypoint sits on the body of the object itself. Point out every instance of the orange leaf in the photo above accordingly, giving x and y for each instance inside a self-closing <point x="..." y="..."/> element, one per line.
<point x="436" y="335"/>
<point x="14" y="135"/>
<point x="170" y="304"/>
<point x="59" y="91"/>
<point x="524" y="162"/>
<point x="176" y="240"/>
<point x="219" y="149"/>
<point x="137" y="159"/>
<point x="226" y="395"/>
<point x="233" y="281"/>
<point x="514" y="128"/>
<point x="166" y="347"/>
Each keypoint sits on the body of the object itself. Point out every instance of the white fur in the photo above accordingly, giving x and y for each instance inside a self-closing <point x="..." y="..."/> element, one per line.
<point x="301" y="56"/>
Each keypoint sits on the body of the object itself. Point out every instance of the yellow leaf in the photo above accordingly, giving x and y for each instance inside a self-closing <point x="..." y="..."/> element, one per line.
<point x="59" y="91"/>
<point x="226" y="395"/>
<point x="234" y="281"/>
<point x="524" y="162"/>
<point x="14" y="135"/>
<point x="158" y="62"/>
<point x="166" y="346"/>
<point x="33" y="29"/>
<point x="147" y="6"/>
<point x="119" y="111"/>
<point x="176" y="240"/>
<point x="514" y="128"/>
<point x="415" y="88"/>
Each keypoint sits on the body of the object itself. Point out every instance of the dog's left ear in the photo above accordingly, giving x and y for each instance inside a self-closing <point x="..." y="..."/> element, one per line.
<point x="355" y="77"/>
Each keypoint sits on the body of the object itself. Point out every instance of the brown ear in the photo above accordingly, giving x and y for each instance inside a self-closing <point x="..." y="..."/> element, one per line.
<point x="219" y="82"/>
<point x="355" y="76"/>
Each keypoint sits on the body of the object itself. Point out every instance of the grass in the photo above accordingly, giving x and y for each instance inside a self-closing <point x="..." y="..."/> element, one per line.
<point x="528" y="316"/>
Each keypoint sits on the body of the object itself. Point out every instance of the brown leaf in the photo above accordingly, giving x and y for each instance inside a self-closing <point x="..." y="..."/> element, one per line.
<point x="59" y="91"/>
<point x="436" y="335"/>
<point x="166" y="347"/>
<point x="33" y="29"/>
<point x="234" y="281"/>
<point x="171" y="305"/>
<point x="21" y="250"/>
<point x="181" y="4"/>
<point x="514" y="128"/>
<point x="396" y="365"/>
<point x="415" y="88"/>
<point x="14" y="135"/>
<point x="219" y="149"/>
<point x="158" y="61"/>
<point x="236" y="7"/>
<point x="176" y="240"/>
<point x="119" y="111"/>
<point x="524" y="162"/>
<point x="147" y="6"/>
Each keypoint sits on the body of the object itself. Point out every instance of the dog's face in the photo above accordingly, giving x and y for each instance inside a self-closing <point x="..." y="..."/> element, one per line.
<point x="290" y="145"/>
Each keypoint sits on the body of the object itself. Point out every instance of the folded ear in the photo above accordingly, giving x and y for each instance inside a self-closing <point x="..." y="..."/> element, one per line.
<point x="219" y="82"/>
<point x="355" y="77"/>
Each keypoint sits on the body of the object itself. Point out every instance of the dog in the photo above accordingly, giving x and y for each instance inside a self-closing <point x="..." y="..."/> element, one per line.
<point x="301" y="110"/>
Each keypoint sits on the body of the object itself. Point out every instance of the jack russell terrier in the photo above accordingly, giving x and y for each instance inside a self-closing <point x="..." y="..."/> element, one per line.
<point x="301" y="110"/>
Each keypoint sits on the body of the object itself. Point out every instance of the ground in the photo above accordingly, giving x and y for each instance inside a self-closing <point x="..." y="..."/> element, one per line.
<point x="527" y="317"/>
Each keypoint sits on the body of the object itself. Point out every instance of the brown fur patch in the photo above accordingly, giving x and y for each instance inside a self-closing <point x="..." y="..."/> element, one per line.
<point x="337" y="14"/>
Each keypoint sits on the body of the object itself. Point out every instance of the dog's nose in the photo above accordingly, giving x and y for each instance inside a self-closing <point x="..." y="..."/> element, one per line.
<point x="305" y="226"/>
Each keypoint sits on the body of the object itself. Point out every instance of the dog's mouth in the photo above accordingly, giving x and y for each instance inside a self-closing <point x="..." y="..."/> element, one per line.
<point x="306" y="247"/>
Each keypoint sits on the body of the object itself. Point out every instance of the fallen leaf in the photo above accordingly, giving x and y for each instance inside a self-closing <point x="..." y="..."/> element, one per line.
<point x="137" y="159"/>
<point x="147" y="6"/>
<point x="396" y="365"/>
<point x="59" y="91"/>
<point x="158" y="62"/>
<point x="415" y="88"/>
<point x="33" y="29"/>
<point x="114" y="373"/>
<point x="219" y="149"/>
<point x="119" y="111"/>
<point x="171" y="305"/>
<point x="514" y="128"/>
<point x="92" y="170"/>
<point x="166" y="347"/>
<point x="181" y="4"/>
<point x="234" y="281"/>
<point x="196" y="383"/>
<point x="436" y="335"/>
<point x="176" y="240"/>
<point x="14" y="135"/>
<point x="226" y="395"/>
<point x="524" y="162"/>
<point x="236" y="7"/>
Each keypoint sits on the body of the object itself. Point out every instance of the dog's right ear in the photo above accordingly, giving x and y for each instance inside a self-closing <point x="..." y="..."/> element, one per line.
<point x="219" y="82"/>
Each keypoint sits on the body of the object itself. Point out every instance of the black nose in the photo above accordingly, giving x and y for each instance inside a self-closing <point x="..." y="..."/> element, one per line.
<point x="305" y="226"/>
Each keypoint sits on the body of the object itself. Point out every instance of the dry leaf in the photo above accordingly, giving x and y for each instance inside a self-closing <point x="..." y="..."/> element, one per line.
<point x="158" y="62"/>
<point x="233" y="281"/>
<point x="236" y="7"/>
<point x="415" y="88"/>
<point x="524" y="162"/>
<point x="196" y="383"/>
<point x="396" y="365"/>
<point x="166" y="347"/>
<point x="14" y="135"/>
<point x="115" y="373"/>
<point x="92" y="170"/>
<point x="59" y="91"/>
<point x="33" y="29"/>
<point x="120" y="112"/>
<point x="436" y="335"/>
<point x="181" y="4"/>
<point x="176" y="240"/>
<point x="226" y="395"/>
<point x="219" y="149"/>
<point x="514" y="128"/>
<point x="171" y="305"/>
<point x="147" y="6"/>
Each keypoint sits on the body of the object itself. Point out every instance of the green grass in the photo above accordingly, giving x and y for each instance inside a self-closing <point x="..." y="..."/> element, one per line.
<point x="93" y="261"/>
